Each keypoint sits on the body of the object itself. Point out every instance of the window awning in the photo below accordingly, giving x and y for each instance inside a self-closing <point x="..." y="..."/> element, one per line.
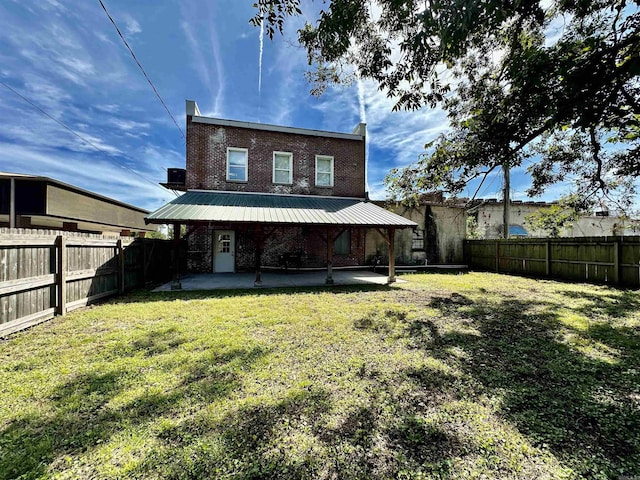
<point x="241" y="207"/>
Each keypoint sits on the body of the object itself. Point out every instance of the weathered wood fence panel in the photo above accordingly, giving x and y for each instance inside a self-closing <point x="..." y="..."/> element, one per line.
<point x="614" y="260"/>
<point x="43" y="275"/>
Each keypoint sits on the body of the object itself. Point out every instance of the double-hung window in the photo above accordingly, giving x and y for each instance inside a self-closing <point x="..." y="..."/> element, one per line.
<point x="282" y="167"/>
<point x="237" y="160"/>
<point x="324" y="171"/>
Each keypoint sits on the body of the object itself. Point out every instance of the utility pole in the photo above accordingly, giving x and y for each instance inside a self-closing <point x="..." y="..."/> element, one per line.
<point x="506" y="200"/>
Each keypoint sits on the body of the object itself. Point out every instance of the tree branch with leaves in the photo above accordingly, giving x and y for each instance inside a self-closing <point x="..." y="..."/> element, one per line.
<point x="513" y="89"/>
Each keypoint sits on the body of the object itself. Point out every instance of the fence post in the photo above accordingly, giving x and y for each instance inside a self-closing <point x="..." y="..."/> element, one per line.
<point x="616" y="262"/>
<point x="144" y="262"/>
<point x="120" y="251"/>
<point x="497" y="256"/>
<point x="548" y="258"/>
<point x="465" y="255"/>
<point x="61" y="277"/>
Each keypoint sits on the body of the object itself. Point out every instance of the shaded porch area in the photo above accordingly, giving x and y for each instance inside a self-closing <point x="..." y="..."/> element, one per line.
<point x="229" y="281"/>
<point x="223" y="217"/>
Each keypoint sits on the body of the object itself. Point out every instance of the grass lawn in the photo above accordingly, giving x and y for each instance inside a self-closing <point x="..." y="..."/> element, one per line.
<point x="446" y="376"/>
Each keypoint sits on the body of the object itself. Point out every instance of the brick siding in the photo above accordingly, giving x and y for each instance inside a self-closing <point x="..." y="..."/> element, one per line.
<point x="206" y="167"/>
<point x="307" y="241"/>
<point x="207" y="160"/>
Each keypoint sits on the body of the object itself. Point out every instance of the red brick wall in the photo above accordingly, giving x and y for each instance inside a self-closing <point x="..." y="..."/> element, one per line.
<point x="306" y="240"/>
<point x="207" y="159"/>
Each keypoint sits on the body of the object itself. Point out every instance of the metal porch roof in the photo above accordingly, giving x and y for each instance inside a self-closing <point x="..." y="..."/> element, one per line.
<point x="232" y="207"/>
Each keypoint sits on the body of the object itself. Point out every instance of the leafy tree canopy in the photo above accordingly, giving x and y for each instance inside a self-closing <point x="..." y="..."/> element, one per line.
<point x="552" y="84"/>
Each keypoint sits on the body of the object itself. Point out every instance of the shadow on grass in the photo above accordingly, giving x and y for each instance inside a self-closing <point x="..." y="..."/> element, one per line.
<point x="155" y="342"/>
<point x="289" y="439"/>
<point x="143" y="296"/>
<point x="243" y="445"/>
<point x="85" y="412"/>
<point x="614" y="303"/>
<point x="580" y="407"/>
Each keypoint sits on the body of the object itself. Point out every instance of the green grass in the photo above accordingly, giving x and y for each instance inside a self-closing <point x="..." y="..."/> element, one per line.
<point x="446" y="376"/>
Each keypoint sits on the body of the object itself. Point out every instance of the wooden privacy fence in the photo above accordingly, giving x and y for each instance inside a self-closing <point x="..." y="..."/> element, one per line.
<point x="613" y="260"/>
<point x="46" y="275"/>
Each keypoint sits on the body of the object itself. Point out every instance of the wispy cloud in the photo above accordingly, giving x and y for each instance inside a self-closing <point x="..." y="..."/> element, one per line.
<point x="132" y="27"/>
<point x="218" y="65"/>
<point x="88" y="172"/>
<point x="199" y="18"/>
<point x="282" y="87"/>
<point x="363" y="108"/>
<point x="396" y="139"/>
<point x="108" y="107"/>
<point x="261" y="34"/>
<point x="69" y="67"/>
<point x="130" y="125"/>
<point x="283" y="92"/>
<point x="199" y="62"/>
<point x="363" y="119"/>
<point x="31" y="130"/>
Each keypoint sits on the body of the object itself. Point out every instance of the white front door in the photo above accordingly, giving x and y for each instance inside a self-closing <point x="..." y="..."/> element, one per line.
<point x="224" y="251"/>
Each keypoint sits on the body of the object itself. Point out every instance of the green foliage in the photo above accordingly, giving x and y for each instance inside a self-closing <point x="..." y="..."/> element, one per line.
<point x="557" y="84"/>
<point x="473" y="230"/>
<point x="445" y="376"/>
<point x="554" y="218"/>
<point x="157" y="235"/>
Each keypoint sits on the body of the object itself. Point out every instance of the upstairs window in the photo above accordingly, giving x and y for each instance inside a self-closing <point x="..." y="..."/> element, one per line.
<point x="237" y="164"/>
<point x="324" y="171"/>
<point x="282" y="167"/>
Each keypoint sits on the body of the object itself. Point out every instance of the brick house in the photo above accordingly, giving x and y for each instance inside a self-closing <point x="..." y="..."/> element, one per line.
<point x="264" y="195"/>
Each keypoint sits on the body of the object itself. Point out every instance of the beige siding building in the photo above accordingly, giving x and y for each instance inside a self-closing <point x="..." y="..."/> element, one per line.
<point x="29" y="201"/>
<point x="489" y="216"/>
<point x="438" y="239"/>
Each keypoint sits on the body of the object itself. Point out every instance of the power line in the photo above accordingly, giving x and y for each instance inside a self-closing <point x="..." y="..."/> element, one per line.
<point x="489" y="185"/>
<point x="142" y="69"/>
<point x="88" y="142"/>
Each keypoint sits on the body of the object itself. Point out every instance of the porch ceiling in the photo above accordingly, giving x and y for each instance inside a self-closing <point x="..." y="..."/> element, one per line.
<point x="234" y="207"/>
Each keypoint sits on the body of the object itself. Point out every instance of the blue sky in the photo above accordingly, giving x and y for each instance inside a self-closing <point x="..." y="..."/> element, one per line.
<point x="65" y="56"/>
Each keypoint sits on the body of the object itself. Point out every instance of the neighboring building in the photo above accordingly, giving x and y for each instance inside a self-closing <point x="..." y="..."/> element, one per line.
<point x="489" y="216"/>
<point x="34" y="202"/>
<point x="438" y="239"/>
<point x="261" y="194"/>
<point x="600" y="224"/>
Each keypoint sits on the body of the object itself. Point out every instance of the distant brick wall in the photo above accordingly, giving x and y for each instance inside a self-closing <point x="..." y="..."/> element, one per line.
<point x="207" y="156"/>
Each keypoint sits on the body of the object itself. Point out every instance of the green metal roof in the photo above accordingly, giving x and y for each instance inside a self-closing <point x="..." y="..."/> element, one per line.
<point x="232" y="207"/>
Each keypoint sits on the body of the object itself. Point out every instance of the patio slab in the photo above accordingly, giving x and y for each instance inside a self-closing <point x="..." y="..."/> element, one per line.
<point x="221" y="281"/>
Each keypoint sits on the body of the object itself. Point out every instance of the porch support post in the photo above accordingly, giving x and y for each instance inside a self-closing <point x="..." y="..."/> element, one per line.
<point x="175" y="283"/>
<point x="330" y="240"/>
<point x="259" y="243"/>
<point x="391" y="232"/>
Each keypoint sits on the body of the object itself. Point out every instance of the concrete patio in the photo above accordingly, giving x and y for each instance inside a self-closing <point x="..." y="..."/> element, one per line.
<point x="219" y="281"/>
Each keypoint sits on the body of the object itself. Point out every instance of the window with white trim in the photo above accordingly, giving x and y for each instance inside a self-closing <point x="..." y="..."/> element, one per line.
<point x="237" y="160"/>
<point x="283" y="167"/>
<point x="324" y="171"/>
